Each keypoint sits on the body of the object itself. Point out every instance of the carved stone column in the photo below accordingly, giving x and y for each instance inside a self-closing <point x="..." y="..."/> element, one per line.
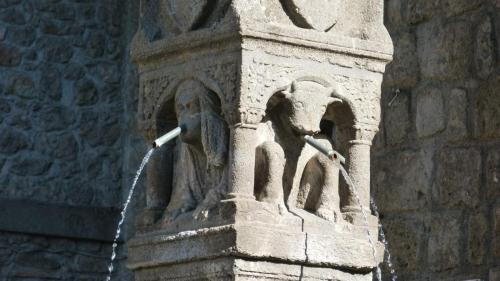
<point x="240" y="195"/>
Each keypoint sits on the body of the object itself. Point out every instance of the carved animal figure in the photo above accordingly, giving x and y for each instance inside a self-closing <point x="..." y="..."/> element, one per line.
<point x="282" y="156"/>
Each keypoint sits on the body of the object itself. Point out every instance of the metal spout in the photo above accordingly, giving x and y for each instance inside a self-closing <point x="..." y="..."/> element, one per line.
<point x="330" y="153"/>
<point x="167" y="137"/>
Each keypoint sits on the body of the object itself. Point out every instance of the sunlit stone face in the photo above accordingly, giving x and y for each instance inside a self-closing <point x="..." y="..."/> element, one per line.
<point x="187" y="108"/>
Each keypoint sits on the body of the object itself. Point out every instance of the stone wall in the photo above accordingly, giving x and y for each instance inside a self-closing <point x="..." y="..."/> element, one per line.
<point x="436" y="160"/>
<point x="67" y="142"/>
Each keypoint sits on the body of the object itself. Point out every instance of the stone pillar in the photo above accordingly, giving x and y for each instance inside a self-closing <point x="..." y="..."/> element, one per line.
<point x="242" y="161"/>
<point x="358" y="167"/>
<point x="247" y="79"/>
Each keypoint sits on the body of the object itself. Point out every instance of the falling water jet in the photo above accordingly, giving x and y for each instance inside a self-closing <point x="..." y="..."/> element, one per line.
<point x="156" y="144"/>
<point x="334" y="155"/>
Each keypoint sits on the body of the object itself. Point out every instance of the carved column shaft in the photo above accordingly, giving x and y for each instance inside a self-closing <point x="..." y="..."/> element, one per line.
<point x="242" y="163"/>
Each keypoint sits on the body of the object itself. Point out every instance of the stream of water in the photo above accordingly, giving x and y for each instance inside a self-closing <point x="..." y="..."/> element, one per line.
<point x="349" y="183"/>
<point x="124" y="212"/>
<point x="354" y="191"/>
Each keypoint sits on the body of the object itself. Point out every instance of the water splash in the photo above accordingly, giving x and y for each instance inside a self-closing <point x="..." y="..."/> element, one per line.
<point x="365" y="218"/>
<point x="388" y="259"/>
<point x="124" y="211"/>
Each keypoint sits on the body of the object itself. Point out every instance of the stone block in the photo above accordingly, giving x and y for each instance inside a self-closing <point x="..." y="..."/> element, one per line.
<point x="494" y="274"/>
<point x="397" y="118"/>
<point x="487" y="110"/>
<point x="406" y="237"/>
<point x="239" y="269"/>
<point x="430" y="114"/>
<point x="402" y="181"/>
<point x="484" y="59"/>
<point x="492" y="171"/>
<point x="403" y="72"/>
<point x="394" y="15"/>
<point x="444" y="248"/>
<point x="13" y="16"/>
<point x="12" y="141"/>
<point x="21" y="85"/>
<point x="50" y="83"/>
<point x="9" y="55"/>
<point x="58" y="51"/>
<point x="457" y="7"/>
<point x="62" y="146"/>
<point x="477" y="239"/>
<point x="496" y="232"/>
<point x="458" y="177"/>
<point x="38" y="260"/>
<point x="85" y="92"/>
<point x="417" y="11"/>
<point x="21" y="36"/>
<point x="56" y="118"/>
<point x="30" y="166"/>
<point x="445" y="51"/>
<point x="457" y="104"/>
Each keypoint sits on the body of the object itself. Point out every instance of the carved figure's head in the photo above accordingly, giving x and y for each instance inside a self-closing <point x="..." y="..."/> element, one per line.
<point x="306" y="104"/>
<point x="198" y="114"/>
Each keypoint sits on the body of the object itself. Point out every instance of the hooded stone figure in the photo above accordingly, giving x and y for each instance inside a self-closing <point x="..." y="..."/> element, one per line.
<point x="200" y="172"/>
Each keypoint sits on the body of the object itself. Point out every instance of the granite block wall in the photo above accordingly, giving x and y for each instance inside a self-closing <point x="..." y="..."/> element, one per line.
<point x="436" y="163"/>
<point x="68" y="140"/>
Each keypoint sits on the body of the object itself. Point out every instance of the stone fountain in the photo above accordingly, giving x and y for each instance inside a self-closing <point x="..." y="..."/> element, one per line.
<point x="240" y="196"/>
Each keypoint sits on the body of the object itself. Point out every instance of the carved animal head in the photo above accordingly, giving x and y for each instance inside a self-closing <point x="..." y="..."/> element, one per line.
<point x="306" y="104"/>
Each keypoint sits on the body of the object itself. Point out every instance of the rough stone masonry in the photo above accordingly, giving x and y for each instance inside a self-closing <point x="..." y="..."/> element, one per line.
<point x="240" y="195"/>
<point x="436" y="160"/>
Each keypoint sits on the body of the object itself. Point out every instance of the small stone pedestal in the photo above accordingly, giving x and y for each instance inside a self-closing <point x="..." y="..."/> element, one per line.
<point x="240" y="196"/>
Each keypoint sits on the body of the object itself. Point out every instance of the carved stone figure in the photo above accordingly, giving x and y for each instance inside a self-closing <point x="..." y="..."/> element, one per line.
<point x="320" y="14"/>
<point x="278" y="70"/>
<point x="319" y="187"/>
<point x="200" y="180"/>
<point x="280" y="159"/>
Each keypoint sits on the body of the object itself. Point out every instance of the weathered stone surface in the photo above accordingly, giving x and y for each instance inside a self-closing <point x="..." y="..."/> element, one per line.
<point x="430" y="114"/>
<point x="456" y="127"/>
<point x="62" y="146"/>
<point x="50" y="83"/>
<point x="397" y="118"/>
<point x="458" y="177"/>
<point x="13" y="16"/>
<point x="488" y="113"/>
<point x="477" y="239"/>
<point x="12" y="140"/>
<point x="402" y="180"/>
<point x="493" y="174"/>
<point x="444" y="242"/>
<point x="9" y="55"/>
<point x="56" y="118"/>
<point x="444" y="50"/>
<point x="85" y="92"/>
<point x="406" y="238"/>
<point x="22" y="36"/>
<point x="21" y="85"/>
<point x="496" y="231"/>
<point x="403" y="72"/>
<point x="485" y="49"/>
<point x="30" y="166"/>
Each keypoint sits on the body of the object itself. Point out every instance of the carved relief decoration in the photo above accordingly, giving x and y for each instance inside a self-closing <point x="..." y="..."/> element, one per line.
<point x="221" y="77"/>
<point x="320" y="15"/>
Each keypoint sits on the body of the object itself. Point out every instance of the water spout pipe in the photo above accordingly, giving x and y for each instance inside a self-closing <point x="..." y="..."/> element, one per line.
<point x="167" y="137"/>
<point x="330" y="153"/>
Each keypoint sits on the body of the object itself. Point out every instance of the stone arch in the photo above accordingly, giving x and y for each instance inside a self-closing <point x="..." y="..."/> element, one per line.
<point x="166" y="106"/>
